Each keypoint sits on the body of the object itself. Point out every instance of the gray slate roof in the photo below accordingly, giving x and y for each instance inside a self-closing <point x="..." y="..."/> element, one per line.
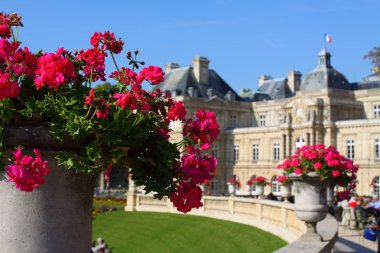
<point x="368" y="82"/>
<point x="180" y="79"/>
<point x="324" y="76"/>
<point x="276" y="88"/>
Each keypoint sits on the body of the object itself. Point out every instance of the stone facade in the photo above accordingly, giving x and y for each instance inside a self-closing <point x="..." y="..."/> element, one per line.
<point x="260" y="129"/>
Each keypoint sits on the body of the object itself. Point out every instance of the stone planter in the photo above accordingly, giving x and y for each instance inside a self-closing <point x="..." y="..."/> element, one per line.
<point x="286" y="191"/>
<point x="310" y="203"/>
<point x="259" y="190"/>
<point x="56" y="216"/>
<point x="231" y="189"/>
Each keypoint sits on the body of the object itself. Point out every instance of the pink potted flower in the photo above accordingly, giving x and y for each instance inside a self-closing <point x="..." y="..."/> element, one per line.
<point x="312" y="168"/>
<point x="259" y="182"/>
<point x="232" y="184"/>
<point x="285" y="186"/>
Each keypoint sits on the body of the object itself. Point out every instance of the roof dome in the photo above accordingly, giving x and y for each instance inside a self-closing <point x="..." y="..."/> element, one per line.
<point x="324" y="76"/>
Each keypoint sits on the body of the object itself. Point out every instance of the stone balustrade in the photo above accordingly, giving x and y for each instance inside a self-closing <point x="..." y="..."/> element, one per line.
<point x="273" y="216"/>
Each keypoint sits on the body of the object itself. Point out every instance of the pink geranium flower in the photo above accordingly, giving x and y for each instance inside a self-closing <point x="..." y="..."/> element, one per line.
<point x="27" y="172"/>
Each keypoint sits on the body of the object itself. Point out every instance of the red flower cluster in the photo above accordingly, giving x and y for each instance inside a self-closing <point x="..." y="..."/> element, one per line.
<point x="283" y="179"/>
<point x="125" y="76"/>
<point x="204" y="130"/>
<point x="54" y="70"/>
<point x="152" y="74"/>
<point x="259" y="180"/>
<point x="328" y="163"/>
<point x="108" y="41"/>
<point x="6" y="22"/>
<point x="187" y="196"/>
<point x="195" y="168"/>
<point x="176" y="112"/>
<point x="102" y="106"/>
<point x="8" y="88"/>
<point x="233" y="181"/>
<point x="27" y="173"/>
<point x="94" y="63"/>
<point x="16" y="62"/>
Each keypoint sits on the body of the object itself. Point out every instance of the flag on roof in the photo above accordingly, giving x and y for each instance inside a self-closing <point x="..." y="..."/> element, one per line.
<point x="328" y="38"/>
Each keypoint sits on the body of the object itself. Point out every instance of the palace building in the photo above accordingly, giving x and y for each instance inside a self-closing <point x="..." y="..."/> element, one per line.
<point x="259" y="129"/>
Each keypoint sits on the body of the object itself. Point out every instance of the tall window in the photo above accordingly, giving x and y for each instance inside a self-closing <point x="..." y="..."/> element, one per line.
<point x="215" y="150"/>
<point x="276" y="189"/>
<point x="262" y="120"/>
<point x="233" y="121"/>
<point x="276" y="151"/>
<point x="376" y="111"/>
<point x="377" y="148"/>
<point x="375" y="188"/>
<point x="236" y="152"/>
<point x="255" y="152"/>
<point x="350" y="147"/>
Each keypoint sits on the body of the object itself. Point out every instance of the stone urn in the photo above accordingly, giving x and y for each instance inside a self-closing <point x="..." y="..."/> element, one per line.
<point x="310" y="203"/>
<point x="286" y="191"/>
<point x="259" y="190"/>
<point x="56" y="216"/>
<point x="231" y="188"/>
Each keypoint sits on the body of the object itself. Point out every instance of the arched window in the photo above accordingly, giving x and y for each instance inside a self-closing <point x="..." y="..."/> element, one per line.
<point x="276" y="189"/>
<point x="375" y="185"/>
<point x="300" y="142"/>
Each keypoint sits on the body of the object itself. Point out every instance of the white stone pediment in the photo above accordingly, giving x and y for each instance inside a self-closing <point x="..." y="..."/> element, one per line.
<point x="299" y="109"/>
<point x="299" y="101"/>
<point x="216" y="101"/>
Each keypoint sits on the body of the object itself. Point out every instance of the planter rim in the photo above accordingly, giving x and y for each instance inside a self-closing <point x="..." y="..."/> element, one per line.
<point x="308" y="176"/>
<point x="37" y="136"/>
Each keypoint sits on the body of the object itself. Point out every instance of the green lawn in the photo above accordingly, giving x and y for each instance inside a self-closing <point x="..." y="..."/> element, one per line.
<point x="148" y="232"/>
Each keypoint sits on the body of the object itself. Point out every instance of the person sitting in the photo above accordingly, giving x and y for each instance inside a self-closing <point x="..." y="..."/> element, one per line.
<point x="100" y="248"/>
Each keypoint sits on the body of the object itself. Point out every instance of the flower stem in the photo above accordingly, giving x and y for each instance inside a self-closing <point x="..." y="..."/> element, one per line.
<point x="114" y="61"/>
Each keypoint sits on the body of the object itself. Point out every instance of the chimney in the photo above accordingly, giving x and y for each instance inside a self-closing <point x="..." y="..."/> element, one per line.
<point x="294" y="80"/>
<point x="200" y="69"/>
<point x="263" y="78"/>
<point x="171" y="65"/>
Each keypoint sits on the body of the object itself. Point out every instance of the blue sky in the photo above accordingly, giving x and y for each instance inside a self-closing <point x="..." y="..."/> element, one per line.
<point x="242" y="39"/>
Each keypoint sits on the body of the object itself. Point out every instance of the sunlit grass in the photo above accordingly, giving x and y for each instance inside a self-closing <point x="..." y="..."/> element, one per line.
<point x="145" y="232"/>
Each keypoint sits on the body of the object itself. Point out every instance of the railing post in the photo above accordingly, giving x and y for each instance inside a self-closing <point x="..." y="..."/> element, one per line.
<point x="231" y="205"/>
<point x="284" y="217"/>
<point x="259" y="210"/>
